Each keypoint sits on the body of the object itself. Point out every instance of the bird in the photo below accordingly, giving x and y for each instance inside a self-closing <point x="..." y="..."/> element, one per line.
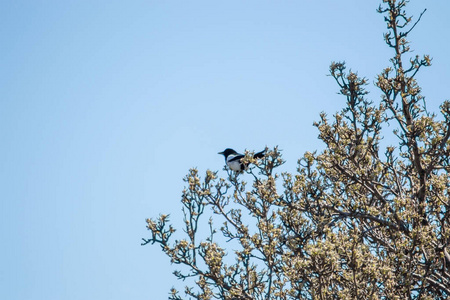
<point x="234" y="159"/>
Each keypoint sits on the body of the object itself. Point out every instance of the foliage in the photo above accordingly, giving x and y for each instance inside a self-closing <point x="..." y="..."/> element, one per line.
<point x="357" y="220"/>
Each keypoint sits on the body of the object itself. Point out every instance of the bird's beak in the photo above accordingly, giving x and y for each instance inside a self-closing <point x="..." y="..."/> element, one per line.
<point x="220" y="153"/>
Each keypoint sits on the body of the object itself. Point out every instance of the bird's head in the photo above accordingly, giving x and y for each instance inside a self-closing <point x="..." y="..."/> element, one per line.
<point x="227" y="152"/>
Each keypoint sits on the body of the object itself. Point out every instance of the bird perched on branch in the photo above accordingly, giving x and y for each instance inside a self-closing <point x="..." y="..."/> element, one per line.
<point x="234" y="159"/>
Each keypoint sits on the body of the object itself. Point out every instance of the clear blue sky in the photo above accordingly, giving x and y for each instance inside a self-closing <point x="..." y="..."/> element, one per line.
<point x="105" y="105"/>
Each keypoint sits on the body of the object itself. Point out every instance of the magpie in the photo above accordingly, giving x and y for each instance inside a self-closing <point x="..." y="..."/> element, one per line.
<point x="233" y="159"/>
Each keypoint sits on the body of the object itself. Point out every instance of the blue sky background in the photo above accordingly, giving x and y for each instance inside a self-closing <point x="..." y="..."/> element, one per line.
<point x="105" y="105"/>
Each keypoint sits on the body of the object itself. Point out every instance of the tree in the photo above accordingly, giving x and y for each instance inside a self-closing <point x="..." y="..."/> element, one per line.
<point x="358" y="220"/>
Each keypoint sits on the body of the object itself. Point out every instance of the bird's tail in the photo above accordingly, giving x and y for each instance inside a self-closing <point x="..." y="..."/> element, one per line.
<point x="260" y="154"/>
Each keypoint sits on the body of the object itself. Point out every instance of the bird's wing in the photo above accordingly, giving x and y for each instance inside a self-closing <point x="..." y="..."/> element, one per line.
<point x="236" y="158"/>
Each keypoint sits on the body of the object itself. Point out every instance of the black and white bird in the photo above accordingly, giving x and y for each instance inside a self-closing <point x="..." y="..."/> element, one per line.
<point x="234" y="159"/>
